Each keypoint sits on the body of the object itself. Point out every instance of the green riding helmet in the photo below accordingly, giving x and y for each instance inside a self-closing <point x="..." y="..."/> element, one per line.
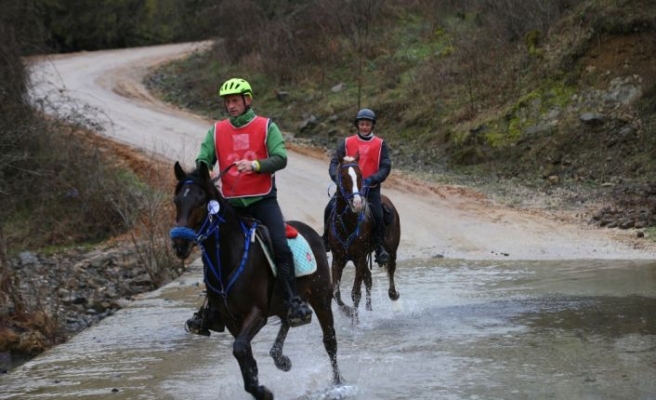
<point x="236" y="86"/>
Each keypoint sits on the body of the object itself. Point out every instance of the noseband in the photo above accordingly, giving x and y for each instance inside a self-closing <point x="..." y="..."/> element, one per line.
<point x="349" y="196"/>
<point x="210" y="224"/>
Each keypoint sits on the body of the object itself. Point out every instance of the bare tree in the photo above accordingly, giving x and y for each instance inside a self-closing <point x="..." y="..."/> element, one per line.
<point x="356" y="19"/>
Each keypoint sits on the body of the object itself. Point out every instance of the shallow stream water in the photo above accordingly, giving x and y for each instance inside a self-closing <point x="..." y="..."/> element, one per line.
<point x="461" y="330"/>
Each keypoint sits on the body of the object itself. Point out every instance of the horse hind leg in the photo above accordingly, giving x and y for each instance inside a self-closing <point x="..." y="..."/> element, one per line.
<point x="281" y="361"/>
<point x="391" y="268"/>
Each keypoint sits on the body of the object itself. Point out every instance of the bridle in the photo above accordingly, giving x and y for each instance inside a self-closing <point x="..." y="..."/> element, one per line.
<point x="209" y="230"/>
<point x="339" y="215"/>
<point x="348" y="197"/>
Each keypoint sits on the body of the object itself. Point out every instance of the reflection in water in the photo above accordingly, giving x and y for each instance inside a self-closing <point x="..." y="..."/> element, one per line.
<point x="612" y="317"/>
<point x="461" y="330"/>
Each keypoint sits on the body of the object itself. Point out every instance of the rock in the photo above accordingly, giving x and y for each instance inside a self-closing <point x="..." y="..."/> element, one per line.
<point x="79" y="289"/>
<point x="338" y="88"/>
<point x="27" y="258"/>
<point x="309" y="123"/>
<point x="282" y="95"/>
<point x="592" y="119"/>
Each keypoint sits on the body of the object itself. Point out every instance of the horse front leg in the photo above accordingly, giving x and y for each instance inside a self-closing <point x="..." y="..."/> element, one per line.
<point x="337" y="268"/>
<point x="356" y="292"/>
<point x="281" y="361"/>
<point x="243" y="352"/>
<point x="366" y="277"/>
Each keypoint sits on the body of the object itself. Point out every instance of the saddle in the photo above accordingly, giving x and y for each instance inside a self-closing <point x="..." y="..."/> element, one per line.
<point x="304" y="261"/>
<point x="263" y="231"/>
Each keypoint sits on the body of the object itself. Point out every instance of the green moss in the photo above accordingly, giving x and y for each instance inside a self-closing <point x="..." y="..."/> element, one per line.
<point x="532" y="42"/>
<point x="525" y="100"/>
<point x="650" y="233"/>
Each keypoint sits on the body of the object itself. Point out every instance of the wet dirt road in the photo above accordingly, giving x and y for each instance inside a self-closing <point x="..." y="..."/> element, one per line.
<point x="577" y="322"/>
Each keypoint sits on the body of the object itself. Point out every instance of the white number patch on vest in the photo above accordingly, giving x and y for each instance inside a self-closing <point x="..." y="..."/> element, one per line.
<point x="241" y="142"/>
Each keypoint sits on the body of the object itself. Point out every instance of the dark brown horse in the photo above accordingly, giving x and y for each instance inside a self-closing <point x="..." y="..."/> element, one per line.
<point x="239" y="281"/>
<point x="350" y="235"/>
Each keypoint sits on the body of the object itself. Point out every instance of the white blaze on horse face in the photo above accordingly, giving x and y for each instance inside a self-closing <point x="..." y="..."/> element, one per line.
<point x="186" y="192"/>
<point x="357" y="203"/>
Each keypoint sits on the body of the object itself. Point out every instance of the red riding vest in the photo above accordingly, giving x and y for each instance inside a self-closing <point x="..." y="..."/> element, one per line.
<point x="247" y="142"/>
<point x="369" y="150"/>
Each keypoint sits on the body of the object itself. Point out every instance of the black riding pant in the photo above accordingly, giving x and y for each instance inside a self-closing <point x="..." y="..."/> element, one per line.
<point x="326" y="212"/>
<point x="268" y="212"/>
<point x="373" y="197"/>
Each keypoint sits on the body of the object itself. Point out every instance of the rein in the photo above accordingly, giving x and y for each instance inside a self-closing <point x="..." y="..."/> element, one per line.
<point x="225" y="170"/>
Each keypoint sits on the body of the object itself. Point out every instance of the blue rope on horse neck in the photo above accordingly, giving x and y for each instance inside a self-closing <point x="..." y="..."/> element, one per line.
<point x="210" y="228"/>
<point x="216" y="270"/>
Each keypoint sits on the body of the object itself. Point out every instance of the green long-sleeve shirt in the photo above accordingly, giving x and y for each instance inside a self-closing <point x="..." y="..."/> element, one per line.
<point x="275" y="143"/>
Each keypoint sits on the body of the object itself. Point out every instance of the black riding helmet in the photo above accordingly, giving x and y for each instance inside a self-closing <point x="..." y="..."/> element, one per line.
<point x="365" y="113"/>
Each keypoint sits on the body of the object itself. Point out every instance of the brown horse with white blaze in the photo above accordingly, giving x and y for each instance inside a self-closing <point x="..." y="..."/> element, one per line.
<point x="351" y="236"/>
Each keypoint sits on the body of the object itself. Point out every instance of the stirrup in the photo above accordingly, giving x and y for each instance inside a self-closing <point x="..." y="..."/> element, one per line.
<point x="298" y="313"/>
<point x="196" y="326"/>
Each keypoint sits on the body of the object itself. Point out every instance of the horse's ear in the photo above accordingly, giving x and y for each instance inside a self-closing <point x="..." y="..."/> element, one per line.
<point x="203" y="171"/>
<point x="180" y="174"/>
<point x="357" y="157"/>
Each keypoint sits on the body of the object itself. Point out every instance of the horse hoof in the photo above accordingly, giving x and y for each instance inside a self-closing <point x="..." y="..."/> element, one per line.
<point x="283" y="363"/>
<point x="394" y="295"/>
<point x="262" y="393"/>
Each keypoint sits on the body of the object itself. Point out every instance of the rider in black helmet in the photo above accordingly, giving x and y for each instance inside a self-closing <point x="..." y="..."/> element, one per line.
<point x="375" y="164"/>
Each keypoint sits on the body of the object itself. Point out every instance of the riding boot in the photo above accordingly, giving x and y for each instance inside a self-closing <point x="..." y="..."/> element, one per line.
<point x="382" y="257"/>
<point x="298" y="312"/>
<point x="205" y="320"/>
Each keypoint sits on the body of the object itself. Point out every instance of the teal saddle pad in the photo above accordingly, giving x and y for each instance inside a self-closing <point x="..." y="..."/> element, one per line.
<point x="304" y="261"/>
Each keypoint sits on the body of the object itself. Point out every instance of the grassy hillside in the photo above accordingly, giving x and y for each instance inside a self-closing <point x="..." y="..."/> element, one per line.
<point x="556" y="96"/>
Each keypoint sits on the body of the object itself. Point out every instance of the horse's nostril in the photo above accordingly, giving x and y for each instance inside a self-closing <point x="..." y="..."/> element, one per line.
<point x="181" y="249"/>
